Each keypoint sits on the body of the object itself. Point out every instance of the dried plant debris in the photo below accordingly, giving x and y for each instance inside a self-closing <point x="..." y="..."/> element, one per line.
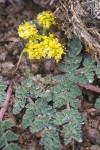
<point x="92" y="7"/>
<point x="42" y="3"/>
<point x="81" y="19"/>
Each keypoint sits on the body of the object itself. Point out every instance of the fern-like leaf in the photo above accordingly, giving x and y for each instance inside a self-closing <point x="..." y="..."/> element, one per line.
<point x="72" y="131"/>
<point x="66" y="116"/>
<point x="97" y="104"/>
<point x="72" y="128"/>
<point x="27" y="89"/>
<point x="65" y="92"/>
<point x="21" y="96"/>
<point x="42" y="115"/>
<point x="12" y="146"/>
<point x="98" y="70"/>
<point x="2" y="91"/>
<point x="88" y="69"/>
<point x="7" y="137"/>
<point x="76" y="47"/>
<point x="50" y="139"/>
<point x="72" y="63"/>
<point x="4" y="125"/>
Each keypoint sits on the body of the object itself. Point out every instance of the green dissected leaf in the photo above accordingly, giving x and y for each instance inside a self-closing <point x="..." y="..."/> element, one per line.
<point x="75" y="47"/>
<point x="75" y="116"/>
<point x="97" y="104"/>
<point x="72" y="60"/>
<point x="12" y="146"/>
<point x="8" y="136"/>
<point x="21" y="96"/>
<point x="71" y="121"/>
<point x="88" y="69"/>
<point x="31" y="111"/>
<point x="98" y="70"/>
<point x="62" y="117"/>
<point x="42" y="115"/>
<point x="27" y="89"/>
<point x="72" y="131"/>
<point x="50" y="139"/>
<point x="4" y="125"/>
<point x="2" y="91"/>
<point x="77" y="77"/>
<point x="65" y="92"/>
<point x="40" y="123"/>
<point x="66" y="116"/>
<point x="70" y="64"/>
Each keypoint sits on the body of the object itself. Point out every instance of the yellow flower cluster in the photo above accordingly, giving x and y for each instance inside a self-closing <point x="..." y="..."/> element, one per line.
<point x="39" y="46"/>
<point x="27" y="30"/>
<point x="46" y="19"/>
<point x="48" y="47"/>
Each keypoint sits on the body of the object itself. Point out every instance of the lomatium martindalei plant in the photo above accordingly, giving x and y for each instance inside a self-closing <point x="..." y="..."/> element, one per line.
<point x="41" y="46"/>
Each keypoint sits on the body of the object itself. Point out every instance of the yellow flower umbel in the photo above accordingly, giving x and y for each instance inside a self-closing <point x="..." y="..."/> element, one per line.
<point x="47" y="47"/>
<point x="46" y="19"/>
<point x="27" y="30"/>
<point x="40" y="46"/>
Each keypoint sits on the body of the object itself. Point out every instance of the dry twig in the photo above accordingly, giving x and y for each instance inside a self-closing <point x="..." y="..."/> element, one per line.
<point x="6" y="103"/>
<point x="90" y="87"/>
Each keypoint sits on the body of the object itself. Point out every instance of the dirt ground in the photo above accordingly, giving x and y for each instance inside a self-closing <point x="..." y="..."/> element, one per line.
<point x="13" y="13"/>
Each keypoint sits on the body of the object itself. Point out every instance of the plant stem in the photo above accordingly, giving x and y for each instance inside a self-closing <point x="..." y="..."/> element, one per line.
<point x="73" y="144"/>
<point x="19" y="60"/>
<point x="44" y="31"/>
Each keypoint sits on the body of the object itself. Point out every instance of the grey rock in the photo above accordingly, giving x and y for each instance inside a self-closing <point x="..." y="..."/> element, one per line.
<point x="94" y="136"/>
<point x="95" y="147"/>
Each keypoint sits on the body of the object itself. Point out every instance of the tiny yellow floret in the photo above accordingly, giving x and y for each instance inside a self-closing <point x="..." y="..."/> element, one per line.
<point x="46" y="19"/>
